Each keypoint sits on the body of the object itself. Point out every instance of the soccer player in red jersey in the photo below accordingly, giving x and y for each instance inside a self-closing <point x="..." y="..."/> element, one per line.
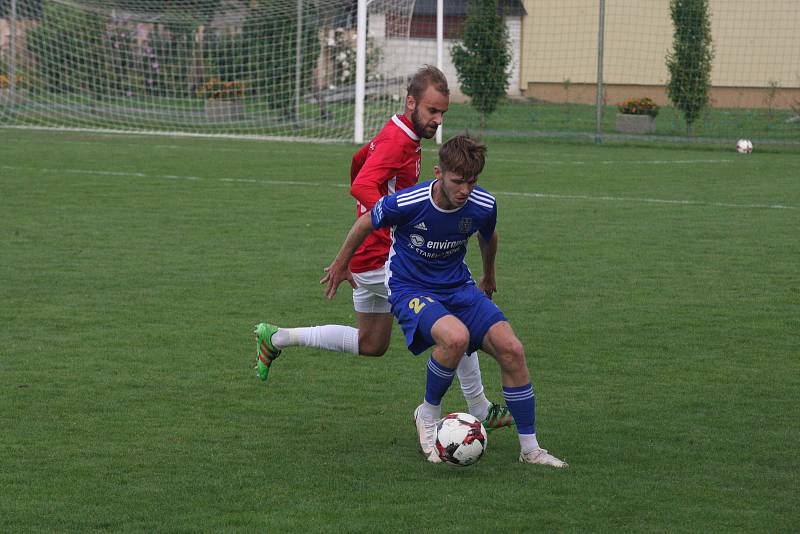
<point x="390" y="162"/>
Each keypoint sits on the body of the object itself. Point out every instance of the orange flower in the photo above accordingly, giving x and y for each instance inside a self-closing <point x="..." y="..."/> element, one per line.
<point x="216" y="89"/>
<point x="642" y="106"/>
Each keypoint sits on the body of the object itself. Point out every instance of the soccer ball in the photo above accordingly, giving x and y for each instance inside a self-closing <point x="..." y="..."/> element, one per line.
<point x="460" y="439"/>
<point x="744" y="146"/>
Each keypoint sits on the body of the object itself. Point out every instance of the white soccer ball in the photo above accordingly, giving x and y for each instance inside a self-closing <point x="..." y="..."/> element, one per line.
<point x="744" y="146"/>
<point x="461" y="439"/>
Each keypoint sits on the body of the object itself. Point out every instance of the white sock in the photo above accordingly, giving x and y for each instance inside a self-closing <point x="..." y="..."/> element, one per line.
<point x="528" y="442"/>
<point x="469" y="376"/>
<point x="329" y="337"/>
<point x="479" y="406"/>
<point x="431" y="411"/>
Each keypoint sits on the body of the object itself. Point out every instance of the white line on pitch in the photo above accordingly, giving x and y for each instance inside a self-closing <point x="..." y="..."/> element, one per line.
<point x="601" y="198"/>
<point x="621" y="162"/>
<point x="163" y="147"/>
<point x="646" y="200"/>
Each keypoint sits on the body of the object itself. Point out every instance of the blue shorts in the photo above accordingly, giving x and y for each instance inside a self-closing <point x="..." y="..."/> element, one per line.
<point x="417" y="310"/>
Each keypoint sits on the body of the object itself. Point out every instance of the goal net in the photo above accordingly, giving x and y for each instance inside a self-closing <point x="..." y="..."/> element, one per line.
<point x="271" y="68"/>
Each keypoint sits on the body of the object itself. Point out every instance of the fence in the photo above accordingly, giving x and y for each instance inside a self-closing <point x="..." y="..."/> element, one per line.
<point x="129" y="65"/>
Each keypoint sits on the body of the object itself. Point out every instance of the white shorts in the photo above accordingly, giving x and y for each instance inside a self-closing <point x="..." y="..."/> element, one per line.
<point x="371" y="295"/>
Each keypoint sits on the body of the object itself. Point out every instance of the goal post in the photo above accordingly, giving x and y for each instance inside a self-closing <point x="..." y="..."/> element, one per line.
<point x="384" y="27"/>
<point x="361" y="71"/>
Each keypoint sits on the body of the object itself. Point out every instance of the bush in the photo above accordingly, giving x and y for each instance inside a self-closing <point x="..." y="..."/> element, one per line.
<point x="168" y="63"/>
<point x="124" y="75"/>
<point x="69" y="51"/>
<point x="341" y="53"/>
<point x="224" y="56"/>
<point x="269" y="37"/>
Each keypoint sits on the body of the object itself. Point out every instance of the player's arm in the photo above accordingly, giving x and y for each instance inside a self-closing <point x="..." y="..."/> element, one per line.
<point x="488" y="282"/>
<point x="337" y="272"/>
<point x="378" y="169"/>
<point x="358" y="161"/>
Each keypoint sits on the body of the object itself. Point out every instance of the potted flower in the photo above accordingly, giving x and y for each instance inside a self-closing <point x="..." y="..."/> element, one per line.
<point x="637" y="116"/>
<point x="9" y="96"/>
<point x="224" y="99"/>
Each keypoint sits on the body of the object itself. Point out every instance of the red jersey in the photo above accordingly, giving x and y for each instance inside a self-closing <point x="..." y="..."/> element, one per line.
<point x="388" y="163"/>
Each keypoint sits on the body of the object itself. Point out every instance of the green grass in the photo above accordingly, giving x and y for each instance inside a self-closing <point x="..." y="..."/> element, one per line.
<point x="163" y="114"/>
<point x="716" y="125"/>
<point x="656" y="291"/>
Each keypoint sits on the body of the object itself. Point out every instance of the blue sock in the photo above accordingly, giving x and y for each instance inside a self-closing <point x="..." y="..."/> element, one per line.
<point x="521" y="403"/>
<point x="438" y="381"/>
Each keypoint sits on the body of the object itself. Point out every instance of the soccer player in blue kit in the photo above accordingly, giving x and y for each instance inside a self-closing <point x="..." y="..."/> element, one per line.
<point x="433" y="295"/>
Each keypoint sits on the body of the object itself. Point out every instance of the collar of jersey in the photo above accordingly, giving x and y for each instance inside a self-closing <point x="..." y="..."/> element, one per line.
<point x="433" y="202"/>
<point x="400" y="122"/>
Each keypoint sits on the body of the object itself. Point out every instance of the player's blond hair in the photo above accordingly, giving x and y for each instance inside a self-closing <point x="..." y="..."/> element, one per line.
<point x="426" y="76"/>
<point x="462" y="155"/>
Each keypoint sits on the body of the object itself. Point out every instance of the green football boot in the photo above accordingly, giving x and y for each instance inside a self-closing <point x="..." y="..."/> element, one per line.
<point x="499" y="417"/>
<point x="265" y="350"/>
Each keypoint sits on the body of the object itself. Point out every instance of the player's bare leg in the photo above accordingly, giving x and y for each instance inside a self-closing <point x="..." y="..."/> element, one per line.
<point x="501" y="342"/>
<point x="374" y="333"/>
<point x="504" y="346"/>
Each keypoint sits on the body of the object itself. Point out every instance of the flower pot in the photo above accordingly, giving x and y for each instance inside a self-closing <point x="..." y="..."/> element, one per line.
<point x="224" y="110"/>
<point x="635" y="124"/>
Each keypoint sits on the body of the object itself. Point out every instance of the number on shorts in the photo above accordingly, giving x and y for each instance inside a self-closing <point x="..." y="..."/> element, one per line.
<point x="417" y="305"/>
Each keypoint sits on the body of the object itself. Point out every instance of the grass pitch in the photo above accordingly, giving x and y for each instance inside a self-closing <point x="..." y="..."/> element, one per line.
<point x="656" y="290"/>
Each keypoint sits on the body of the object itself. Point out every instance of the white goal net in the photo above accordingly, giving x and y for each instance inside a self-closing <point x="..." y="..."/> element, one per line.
<point x="271" y="68"/>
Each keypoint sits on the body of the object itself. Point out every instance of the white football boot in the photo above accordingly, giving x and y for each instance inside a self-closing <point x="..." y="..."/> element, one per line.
<point x="426" y="429"/>
<point x="542" y="457"/>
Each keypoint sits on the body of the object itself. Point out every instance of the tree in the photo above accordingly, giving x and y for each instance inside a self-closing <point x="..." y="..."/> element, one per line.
<point x="482" y="58"/>
<point x="269" y="36"/>
<point x="177" y="51"/>
<point x="689" y="63"/>
<point x="69" y="50"/>
<point x="31" y="10"/>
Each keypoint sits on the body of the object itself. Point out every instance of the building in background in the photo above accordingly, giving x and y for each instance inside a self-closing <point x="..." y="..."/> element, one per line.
<point x="756" y="62"/>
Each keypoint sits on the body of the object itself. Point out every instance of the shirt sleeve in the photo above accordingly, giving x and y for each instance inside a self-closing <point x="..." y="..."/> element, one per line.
<point x="380" y="167"/>
<point x="487" y="230"/>
<point x="386" y="212"/>
<point x="359" y="158"/>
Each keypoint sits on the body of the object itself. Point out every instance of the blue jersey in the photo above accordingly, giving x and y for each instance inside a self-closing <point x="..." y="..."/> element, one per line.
<point x="429" y="243"/>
